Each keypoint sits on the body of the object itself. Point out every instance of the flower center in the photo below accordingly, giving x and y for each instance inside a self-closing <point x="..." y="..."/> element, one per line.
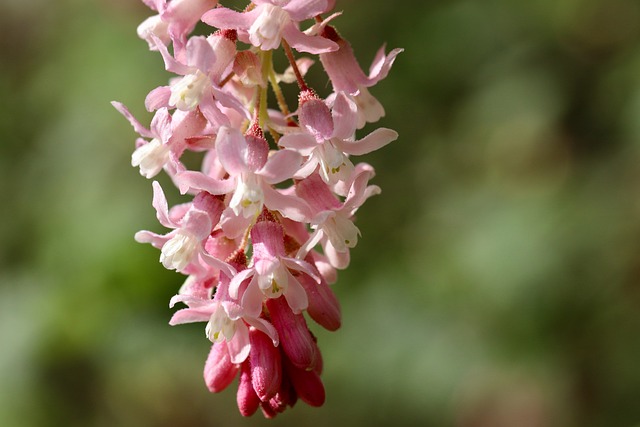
<point x="186" y="94"/>
<point x="151" y="158"/>
<point x="178" y="252"/>
<point x="220" y="326"/>
<point x="248" y="197"/>
<point x="266" y="31"/>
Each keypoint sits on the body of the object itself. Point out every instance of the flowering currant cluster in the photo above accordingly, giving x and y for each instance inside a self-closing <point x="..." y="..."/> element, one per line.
<point x="271" y="217"/>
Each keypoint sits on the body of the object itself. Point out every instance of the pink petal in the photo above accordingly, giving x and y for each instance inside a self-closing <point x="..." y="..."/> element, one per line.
<point x="137" y="126"/>
<point x="264" y="326"/>
<point x="317" y="194"/>
<point x="170" y="64"/>
<point x="252" y="299"/>
<point x="197" y="181"/>
<point x="233" y="226"/>
<point x="218" y="264"/>
<point x="290" y="206"/>
<point x="162" y="208"/>
<point x="345" y="117"/>
<point x="231" y="148"/>
<point x="300" y="265"/>
<point x="191" y="315"/>
<point x="161" y="125"/>
<point x="375" y="140"/>
<point x="158" y="98"/>
<point x="307" y="168"/>
<point x="280" y="166"/>
<point x="236" y="281"/>
<point x="358" y="191"/>
<point x="200" y="55"/>
<point x="224" y="18"/>
<point x="339" y="260"/>
<point x="296" y="295"/>
<point x="306" y="43"/>
<point x="302" y="142"/>
<point x="342" y="67"/>
<point x="301" y="10"/>
<point x="230" y="101"/>
<point x="156" y="240"/>
<point x="239" y="346"/>
<point x="381" y="65"/>
<point x="198" y="223"/>
<point x="209" y="108"/>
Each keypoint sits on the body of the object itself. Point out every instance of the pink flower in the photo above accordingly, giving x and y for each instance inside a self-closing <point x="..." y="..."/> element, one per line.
<point x="271" y="274"/>
<point x="226" y="320"/>
<point x="252" y="174"/>
<point x="182" y="248"/>
<point x="327" y="138"/>
<point x="169" y="138"/>
<point x="271" y="218"/>
<point x="204" y="64"/>
<point x="332" y="219"/>
<point x="273" y="20"/>
<point x="174" y="21"/>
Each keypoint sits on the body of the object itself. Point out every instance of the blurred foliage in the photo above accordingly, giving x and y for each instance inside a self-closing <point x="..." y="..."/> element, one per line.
<point x="497" y="279"/>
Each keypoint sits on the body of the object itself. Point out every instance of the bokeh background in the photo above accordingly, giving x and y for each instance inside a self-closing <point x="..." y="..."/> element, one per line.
<point x="496" y="283"/>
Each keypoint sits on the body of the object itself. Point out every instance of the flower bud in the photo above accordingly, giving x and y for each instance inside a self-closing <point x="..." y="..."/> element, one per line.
<point x="266" y="366"/>
<point x="295" y="338"/>
<point x="219" y="372"/>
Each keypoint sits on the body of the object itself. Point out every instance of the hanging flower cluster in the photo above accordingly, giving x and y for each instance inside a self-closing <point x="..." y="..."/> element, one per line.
<point x="271" y="217"/>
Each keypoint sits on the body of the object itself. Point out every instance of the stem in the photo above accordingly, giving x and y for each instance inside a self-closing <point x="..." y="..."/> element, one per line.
<point x="282" y="103"/>
<point x="267" y="66"/>
<point x="292" y="60"/>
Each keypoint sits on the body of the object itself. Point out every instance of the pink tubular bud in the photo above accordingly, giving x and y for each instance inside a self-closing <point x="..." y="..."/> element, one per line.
<point x="219" y="372"/>
<point x="295" y="338"/>
<point x="286" y="396"/>
<point x="246" y="398"/>
<point x="266" y="366"/>
<point x="307" y="385"/>
<point x="323" y="307"/>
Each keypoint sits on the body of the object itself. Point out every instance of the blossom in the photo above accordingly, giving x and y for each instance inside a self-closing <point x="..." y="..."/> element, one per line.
<point x="273" y="20"/>
<point x="252" y="171"/>
<point x="269" y="215"/>
<point x="326" y="138"/>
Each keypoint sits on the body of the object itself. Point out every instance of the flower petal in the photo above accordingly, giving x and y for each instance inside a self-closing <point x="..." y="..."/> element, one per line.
<point x="305" y="43"/>
<point x="197" y="181"/>
<point x="225" y="18"/>
<point x="280" y="166"/>
<point x="231" y="148"/>
<point x="137" y="126"/>
<point x="345" y="117"/>
<point x="375" y="140"/>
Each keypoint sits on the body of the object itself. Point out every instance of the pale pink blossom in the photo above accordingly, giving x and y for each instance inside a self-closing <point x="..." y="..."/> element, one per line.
<point x="271" y="275"/>
<point x="327" y="138"/>
<point x="252" y="171"/>
<point x="182" y="249"/>
<point x="273" y="20"/>
<point x="333" y="219"/>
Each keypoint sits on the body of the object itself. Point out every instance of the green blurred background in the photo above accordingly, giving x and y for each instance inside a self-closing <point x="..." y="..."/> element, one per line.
<point x="496" y="283"/>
